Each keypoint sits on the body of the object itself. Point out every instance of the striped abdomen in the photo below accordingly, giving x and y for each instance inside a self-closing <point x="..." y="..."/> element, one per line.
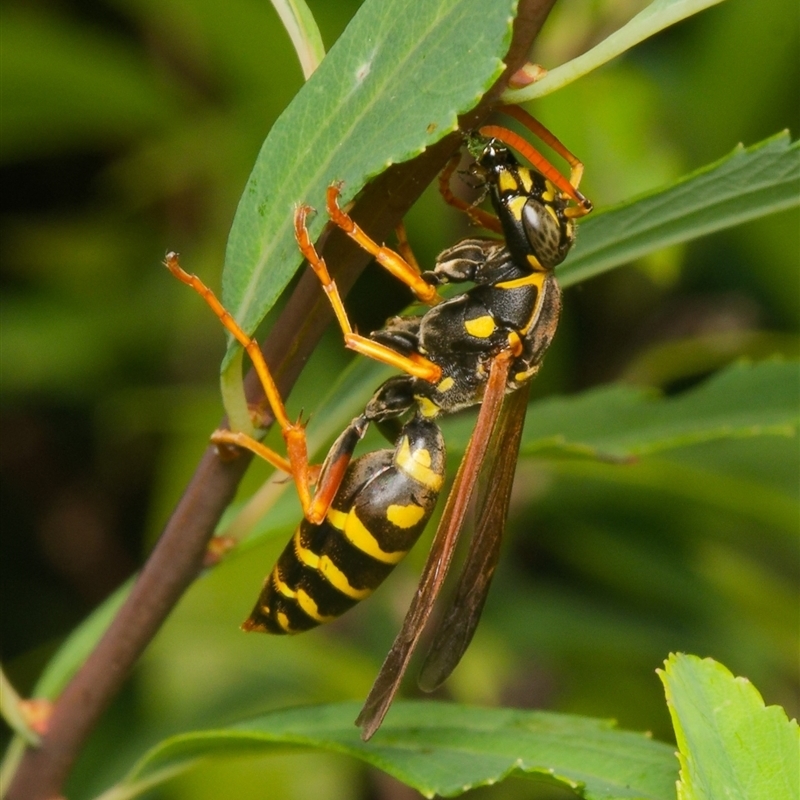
<point x="381" y="508"/>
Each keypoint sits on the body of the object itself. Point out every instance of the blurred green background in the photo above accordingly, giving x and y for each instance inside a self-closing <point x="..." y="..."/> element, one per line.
<point x="129" y="128"/>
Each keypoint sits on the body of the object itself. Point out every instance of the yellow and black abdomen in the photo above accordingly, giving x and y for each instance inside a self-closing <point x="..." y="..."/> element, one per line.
<point x="379" y="512"/>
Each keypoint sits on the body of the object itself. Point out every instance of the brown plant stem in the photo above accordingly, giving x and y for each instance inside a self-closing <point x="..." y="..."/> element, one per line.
<point x="177" y="557"/>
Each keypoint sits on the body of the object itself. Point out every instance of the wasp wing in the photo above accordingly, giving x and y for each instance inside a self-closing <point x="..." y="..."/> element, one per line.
<point x="441" y="554"/>
<point x="457" y="627"/>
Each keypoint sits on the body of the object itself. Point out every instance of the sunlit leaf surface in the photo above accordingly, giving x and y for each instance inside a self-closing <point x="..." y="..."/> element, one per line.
<point x="448" y="749"/>
<point x="731" y="744"/>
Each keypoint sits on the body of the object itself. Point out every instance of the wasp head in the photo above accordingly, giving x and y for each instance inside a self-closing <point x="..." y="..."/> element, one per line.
<point x="530" y="208"/>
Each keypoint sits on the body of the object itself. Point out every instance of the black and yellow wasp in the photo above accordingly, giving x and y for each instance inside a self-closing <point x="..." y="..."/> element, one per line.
<point x="480" y="347"/>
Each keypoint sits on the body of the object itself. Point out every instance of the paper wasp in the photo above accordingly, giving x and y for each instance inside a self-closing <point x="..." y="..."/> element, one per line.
<point x="480" y="347"/>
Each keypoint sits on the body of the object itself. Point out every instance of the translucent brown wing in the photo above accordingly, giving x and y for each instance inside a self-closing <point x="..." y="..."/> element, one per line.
<point x="457" y="626"/>
<point x="441" y="554"/>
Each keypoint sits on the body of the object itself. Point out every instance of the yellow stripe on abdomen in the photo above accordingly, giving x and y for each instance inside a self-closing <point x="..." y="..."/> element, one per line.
<point x="360" y="537"/>
<point x="305" y="556"/>
<point x="309" y="607"/>
<point x="405" y="516"/>
<point x="339" y="580"/>
<point x="418" y="465"/>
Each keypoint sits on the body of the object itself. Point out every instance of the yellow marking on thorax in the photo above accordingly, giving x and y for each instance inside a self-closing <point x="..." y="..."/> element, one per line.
<point x="417" y="465"/>
<point x="360" y="537"/>
<point x="445" y="385"/>
<point x="515" y="206"/>
<point x="304" y="555"/>
<point x="405" y="516"/>
<point x="537" y="309"/>
<point x="308" y="605"/>
<point x="534" y="262"/>
<point x="507" y="182"/>
<point x="534" y="279"/>
<point x="550" y="192"/>
<point x="480" y="327"/>
<point x="339" y="581"/>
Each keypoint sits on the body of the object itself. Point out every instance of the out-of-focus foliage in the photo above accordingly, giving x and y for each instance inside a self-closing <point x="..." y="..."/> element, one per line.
<point x="129" y="128"/>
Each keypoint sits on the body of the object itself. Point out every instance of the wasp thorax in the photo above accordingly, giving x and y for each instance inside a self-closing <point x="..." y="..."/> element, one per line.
<point x="549" y="237"/>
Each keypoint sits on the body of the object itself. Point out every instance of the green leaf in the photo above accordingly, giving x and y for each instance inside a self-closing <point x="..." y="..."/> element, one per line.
<point x="302" y="28"/>
<point x="749" y="183"/>
<point x="731" y="745"/>
<point x="620" y="422"/>
<point x="64" y="84"/>
<point x="447" y="749"/>
<point x="612" y="423"/>
<point x="658" y="15"/>
<point x="393" y="84"/>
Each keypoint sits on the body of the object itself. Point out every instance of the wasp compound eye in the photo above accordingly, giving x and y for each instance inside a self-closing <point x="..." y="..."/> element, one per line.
<point x="545" y="233"/>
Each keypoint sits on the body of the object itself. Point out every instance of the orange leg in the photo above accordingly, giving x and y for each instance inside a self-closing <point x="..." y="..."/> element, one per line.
<point x="480" y="217"/>
<point x="536" y="127"/>
<point x="294" y="433"/>
<point x="404" y="247"/>
<point x="385" y="256"/>
<point x="329" y="477"/>
<point x="239" y="439"/>
<point x="414" y="364"/>
<point x="327" y="482"/>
